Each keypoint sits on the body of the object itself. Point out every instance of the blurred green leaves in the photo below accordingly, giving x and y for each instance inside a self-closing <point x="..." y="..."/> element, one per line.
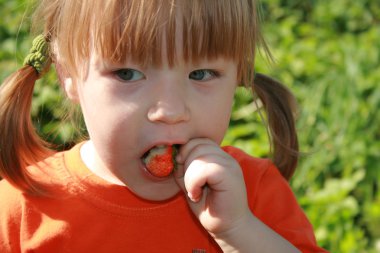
<point x="50" y="109"/>
<point x="328" y="53"/>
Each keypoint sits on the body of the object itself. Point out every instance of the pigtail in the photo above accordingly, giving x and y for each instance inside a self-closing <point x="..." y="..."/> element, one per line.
<point x="280" y="106"/>
<point x="20" y="145"/>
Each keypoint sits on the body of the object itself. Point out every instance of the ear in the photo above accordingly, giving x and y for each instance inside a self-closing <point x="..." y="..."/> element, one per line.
<point x="70" y="89"/>
<point x="67" y="83"/>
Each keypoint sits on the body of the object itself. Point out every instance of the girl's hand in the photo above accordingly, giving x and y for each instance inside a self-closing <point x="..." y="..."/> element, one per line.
<point x="214" y="183"/>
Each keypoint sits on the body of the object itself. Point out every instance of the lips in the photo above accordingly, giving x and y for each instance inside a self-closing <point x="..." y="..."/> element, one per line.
<point x="160" y="160"/>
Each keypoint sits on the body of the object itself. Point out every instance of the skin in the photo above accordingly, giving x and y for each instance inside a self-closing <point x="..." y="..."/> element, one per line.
<point x="162" y="106"/>
<point x="129" y="109"/>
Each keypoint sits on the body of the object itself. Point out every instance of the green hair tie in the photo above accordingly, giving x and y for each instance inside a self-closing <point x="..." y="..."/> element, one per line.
<point x="38" y="56"/>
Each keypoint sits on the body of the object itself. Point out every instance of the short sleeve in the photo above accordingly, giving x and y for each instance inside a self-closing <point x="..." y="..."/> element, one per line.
<point x="275" y="204"/>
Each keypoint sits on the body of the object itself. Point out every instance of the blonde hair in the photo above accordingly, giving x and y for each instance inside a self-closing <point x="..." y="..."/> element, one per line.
<point x="115" y="29"/>
<point x="137" y="29"/>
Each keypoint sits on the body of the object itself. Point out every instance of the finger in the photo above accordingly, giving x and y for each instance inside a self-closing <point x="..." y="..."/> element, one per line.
<point x="180" y="180"/>
<point x="196" y="149"/>
<point x="195" y="179"/>
<point x="186" y="149"/>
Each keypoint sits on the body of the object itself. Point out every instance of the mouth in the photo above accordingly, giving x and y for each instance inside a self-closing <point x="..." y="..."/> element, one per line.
<point x="160" y="161"/>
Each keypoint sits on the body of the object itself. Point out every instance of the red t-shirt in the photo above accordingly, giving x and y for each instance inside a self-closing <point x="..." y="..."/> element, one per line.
<point x="87" y="214"/>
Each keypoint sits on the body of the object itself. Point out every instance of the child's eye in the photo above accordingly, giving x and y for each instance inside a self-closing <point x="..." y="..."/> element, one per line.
<point x="129" y="74"/>
<point x="203" y="74"/>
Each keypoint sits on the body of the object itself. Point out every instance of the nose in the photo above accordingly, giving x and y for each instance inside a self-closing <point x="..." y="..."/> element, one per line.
<point x="170" y="104"/>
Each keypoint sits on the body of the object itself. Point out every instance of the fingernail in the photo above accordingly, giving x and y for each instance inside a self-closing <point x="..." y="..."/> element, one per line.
<point x="191" y="197"/>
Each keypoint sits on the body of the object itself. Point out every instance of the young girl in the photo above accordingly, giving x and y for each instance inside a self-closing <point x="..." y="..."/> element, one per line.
<point x="148" y="75"/>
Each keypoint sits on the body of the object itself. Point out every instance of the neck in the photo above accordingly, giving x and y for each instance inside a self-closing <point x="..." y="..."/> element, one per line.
<point x="91" y="160"/>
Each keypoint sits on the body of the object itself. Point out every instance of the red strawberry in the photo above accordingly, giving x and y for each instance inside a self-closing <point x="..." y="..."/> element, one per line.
<point x="160" y="160"/>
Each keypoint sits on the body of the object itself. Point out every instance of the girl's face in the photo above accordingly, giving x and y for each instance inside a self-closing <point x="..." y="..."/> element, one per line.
<point x="129" y="109"/>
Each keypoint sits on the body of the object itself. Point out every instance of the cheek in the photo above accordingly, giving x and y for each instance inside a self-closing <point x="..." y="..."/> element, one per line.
<point x="215" y="118"/>
<point x="106" y="117"/>
<point x="222" y="123"/>
<point x="115" y="131"/>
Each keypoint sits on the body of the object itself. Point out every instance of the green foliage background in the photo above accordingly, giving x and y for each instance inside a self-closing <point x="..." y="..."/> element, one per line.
<point x="328" y="53"/>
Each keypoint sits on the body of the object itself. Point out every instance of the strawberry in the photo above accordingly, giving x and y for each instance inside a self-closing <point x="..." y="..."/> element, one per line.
<point x="160" y="160"/>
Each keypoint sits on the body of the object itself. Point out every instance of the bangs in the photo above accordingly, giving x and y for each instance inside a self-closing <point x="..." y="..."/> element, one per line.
<point x="136" y="29"/>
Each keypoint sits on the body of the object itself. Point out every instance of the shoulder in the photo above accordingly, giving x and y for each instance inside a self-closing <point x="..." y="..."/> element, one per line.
<point x="262" y="178"/>
<point x="272" y="200"/>
<point x="254" y="169"/>
<point x="46" y="167"/>
<point x="45" y="172"/>
<point x="16" y="206"/>
<point x="264" y="181"/>
<point x="51" y="172"/>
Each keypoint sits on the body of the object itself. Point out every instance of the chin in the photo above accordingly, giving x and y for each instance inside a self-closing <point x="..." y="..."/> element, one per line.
<point x="160" y="190"/>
